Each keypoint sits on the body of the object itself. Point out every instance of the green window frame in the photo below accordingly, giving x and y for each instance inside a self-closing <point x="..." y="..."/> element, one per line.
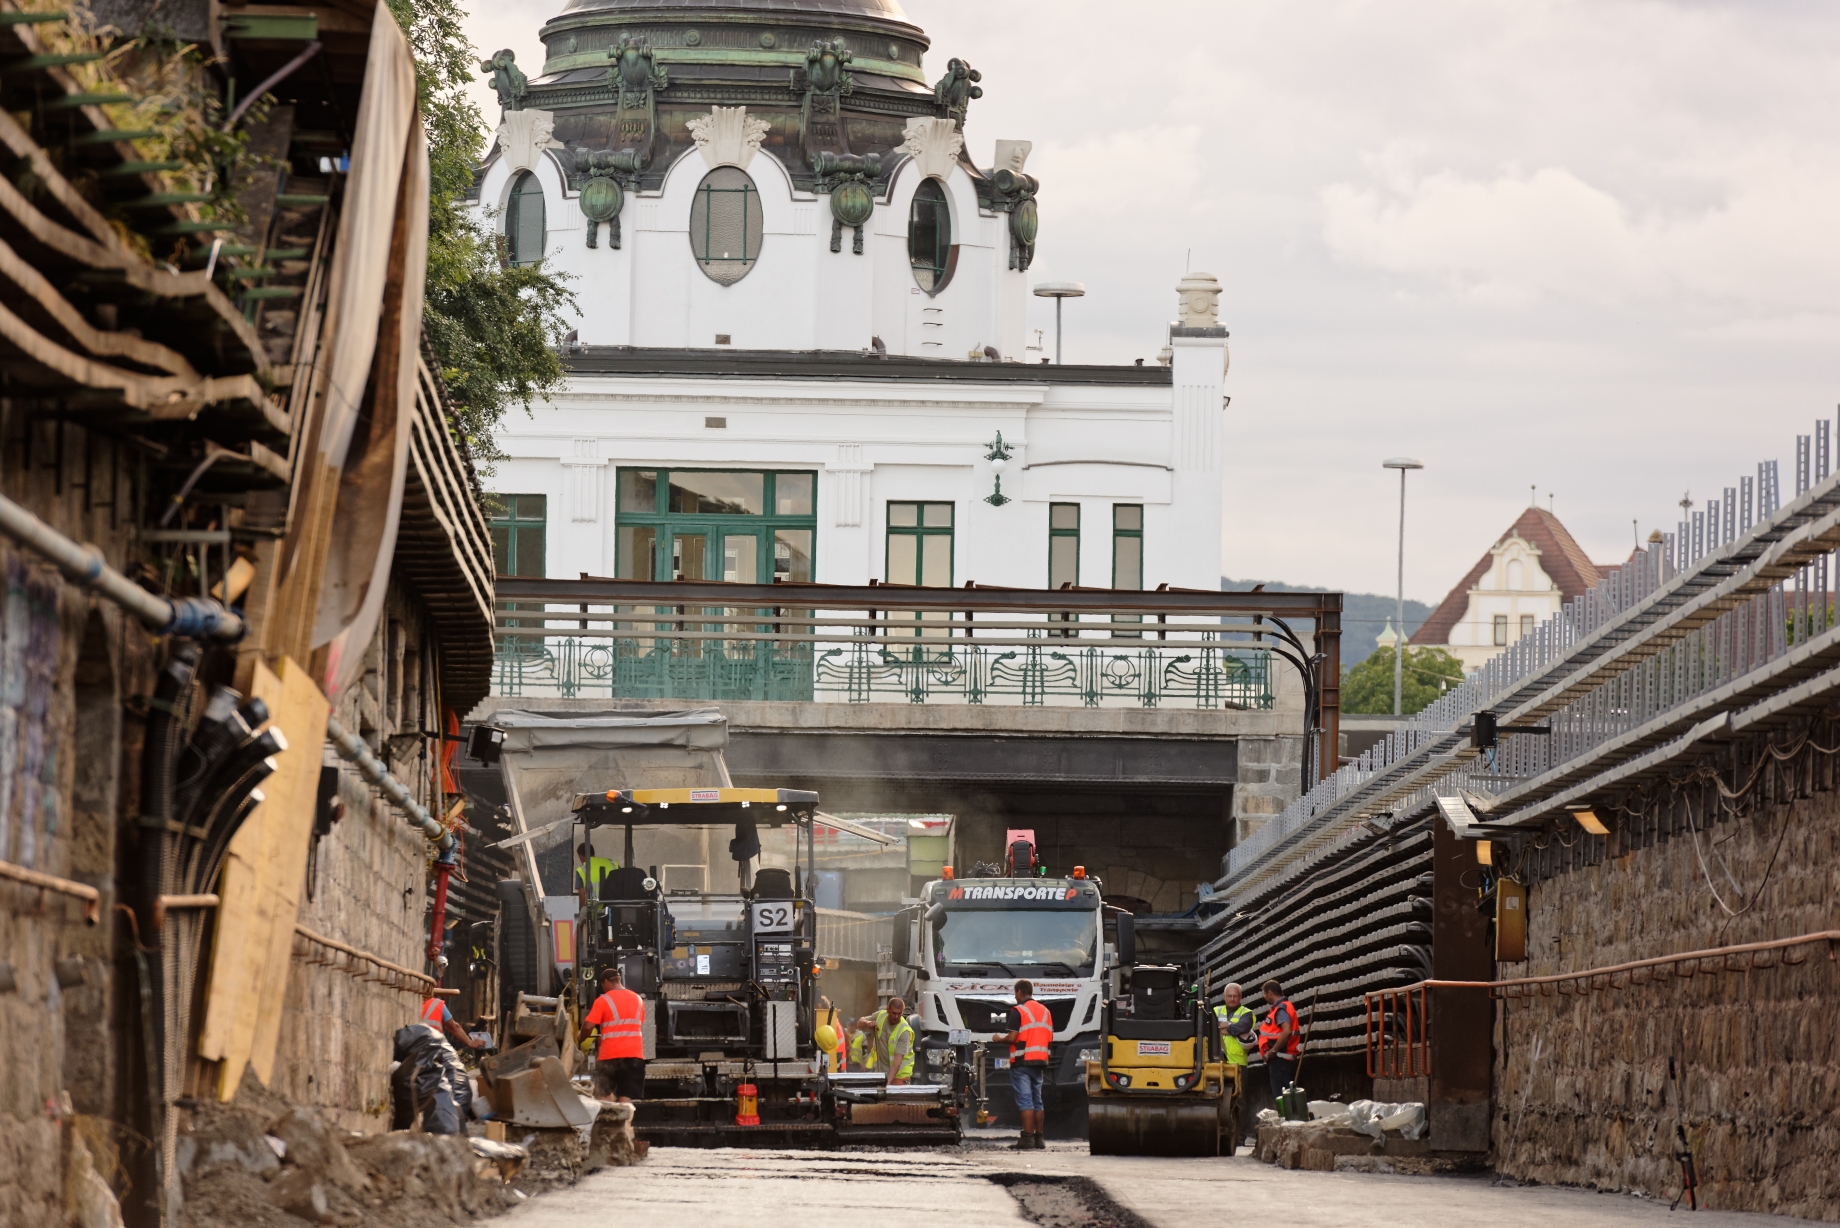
<point x="727" y="225"/>
<point x="1127" y="558"/>
<point x="520" y="528"/>
<point x="1063" y="553"/>
<point x="920" y="548"/>
<point x="920" y="543"/>
<point x="1063" y="544"/>
<point x="519" y="525"/>
<point x="929" y="236"/>
<point x="525" y="232"/>
<point x="1128" y="545"/>
<point x="690" y="523"/>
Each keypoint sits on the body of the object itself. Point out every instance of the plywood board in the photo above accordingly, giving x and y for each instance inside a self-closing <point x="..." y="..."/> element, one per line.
<point x="261" y="885"/>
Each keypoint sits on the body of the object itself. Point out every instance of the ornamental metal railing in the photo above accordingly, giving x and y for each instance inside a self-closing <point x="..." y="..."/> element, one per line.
<point x="1735" y="602"/>
<point x="1209" y="675"/>
<point x="705" y="640"/>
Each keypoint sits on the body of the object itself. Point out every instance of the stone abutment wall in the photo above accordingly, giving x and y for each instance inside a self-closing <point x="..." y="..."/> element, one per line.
<point x="368" y="888"/>
<point x="1595" y="1090"/>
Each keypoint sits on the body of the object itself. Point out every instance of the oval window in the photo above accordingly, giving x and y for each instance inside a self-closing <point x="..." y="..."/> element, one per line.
<point x="726" y="224"/>
<point x="524" y="221"/>
<point x="929" y="236"/>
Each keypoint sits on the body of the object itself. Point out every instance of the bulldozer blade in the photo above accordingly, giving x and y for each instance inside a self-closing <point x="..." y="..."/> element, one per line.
<point x="1119" y="1127"/>
<point x="539" y="1095"/>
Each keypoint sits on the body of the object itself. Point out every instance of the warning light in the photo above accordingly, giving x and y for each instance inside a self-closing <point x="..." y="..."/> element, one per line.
<point x="945" y="872"/>
<point x="1079" y="871"/>
<point x="1588" y="820"/>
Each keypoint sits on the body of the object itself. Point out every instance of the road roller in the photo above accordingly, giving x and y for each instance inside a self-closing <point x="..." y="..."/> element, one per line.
<point x="1161" y="1086"/>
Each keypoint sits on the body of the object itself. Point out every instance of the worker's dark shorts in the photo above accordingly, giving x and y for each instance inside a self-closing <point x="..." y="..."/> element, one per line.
<point x="1025" y="1080"/>
<point x="620" y="1076"/>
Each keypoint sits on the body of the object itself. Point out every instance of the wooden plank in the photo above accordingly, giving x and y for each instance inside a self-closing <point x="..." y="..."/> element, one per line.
<point x="261" y="887"/>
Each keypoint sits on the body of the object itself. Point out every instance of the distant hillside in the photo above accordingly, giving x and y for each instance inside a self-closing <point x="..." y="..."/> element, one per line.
<point x="1364" y="615"/>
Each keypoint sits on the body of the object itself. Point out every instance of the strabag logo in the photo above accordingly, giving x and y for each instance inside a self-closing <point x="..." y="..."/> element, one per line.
<point x="1152" y="1048"/>
<point x="1012" y="893"/>
<point x="705" y="795"/>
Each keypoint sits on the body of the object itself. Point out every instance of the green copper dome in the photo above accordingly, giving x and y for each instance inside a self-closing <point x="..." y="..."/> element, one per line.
<point x="761" y="34"/>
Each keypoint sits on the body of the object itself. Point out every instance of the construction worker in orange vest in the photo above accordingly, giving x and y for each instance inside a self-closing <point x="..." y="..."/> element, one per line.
<point x="619" y="1015"/>
<point x="436" y="1015"/>
<point x="1028" y="1064"/>
<point x="1279" y="1043"/>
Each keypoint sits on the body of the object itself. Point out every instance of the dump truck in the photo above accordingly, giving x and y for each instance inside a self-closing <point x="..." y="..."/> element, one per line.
<point x="967" y="942"/>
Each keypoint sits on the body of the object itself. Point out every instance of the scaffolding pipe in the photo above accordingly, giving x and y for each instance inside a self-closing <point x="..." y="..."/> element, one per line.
<point x="192" y="618"/>
<point x="372" y="769"/>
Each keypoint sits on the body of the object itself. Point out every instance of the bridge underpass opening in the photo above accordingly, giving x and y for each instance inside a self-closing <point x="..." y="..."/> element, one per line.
<point x="1152" y="818"/>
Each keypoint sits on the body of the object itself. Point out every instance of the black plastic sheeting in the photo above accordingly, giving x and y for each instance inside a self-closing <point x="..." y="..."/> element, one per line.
<point x="429" y="1077"/>
<point x="1357" y="923"/>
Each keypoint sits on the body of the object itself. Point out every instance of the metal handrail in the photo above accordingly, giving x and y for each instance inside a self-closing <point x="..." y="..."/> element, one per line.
<point x="1516" y="987"/>
<point x="1402" y="1052"/>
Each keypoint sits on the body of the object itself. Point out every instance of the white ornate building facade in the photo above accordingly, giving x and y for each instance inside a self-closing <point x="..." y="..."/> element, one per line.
<point x="802" y="319"/>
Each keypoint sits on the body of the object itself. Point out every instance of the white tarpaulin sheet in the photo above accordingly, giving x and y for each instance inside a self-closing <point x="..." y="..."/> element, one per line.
<point x="699" y="729"/>
<point x="546" y="760"/>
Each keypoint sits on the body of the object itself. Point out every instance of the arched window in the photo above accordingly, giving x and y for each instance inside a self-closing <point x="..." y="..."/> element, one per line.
<point x="524" y="220"/>
<point x="929" y="236"/>
<point x="726" y="224"/>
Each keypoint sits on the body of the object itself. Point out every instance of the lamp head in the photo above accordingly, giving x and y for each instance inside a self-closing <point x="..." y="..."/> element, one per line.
<point x="1401" y="462"/>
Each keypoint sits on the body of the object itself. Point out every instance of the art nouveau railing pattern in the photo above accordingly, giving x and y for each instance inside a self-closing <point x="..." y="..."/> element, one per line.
<point x="949" y="661"/>
<point x="705" y="640"/>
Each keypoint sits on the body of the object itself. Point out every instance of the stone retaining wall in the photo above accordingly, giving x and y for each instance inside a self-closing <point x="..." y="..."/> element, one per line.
<point x="369" y="889"/>
<point x="1590" y="1090"/>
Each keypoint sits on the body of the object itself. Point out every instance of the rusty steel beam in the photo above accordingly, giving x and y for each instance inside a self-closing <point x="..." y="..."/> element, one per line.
<point x="600" y="591"/>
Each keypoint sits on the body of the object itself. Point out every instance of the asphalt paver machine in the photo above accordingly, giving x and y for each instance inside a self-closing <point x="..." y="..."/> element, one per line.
<point x="1161" y="1085"/>
<point x="730" y="978"/>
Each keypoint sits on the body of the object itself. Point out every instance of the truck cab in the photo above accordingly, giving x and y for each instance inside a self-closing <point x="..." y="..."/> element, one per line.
<point x="967" y="943"/>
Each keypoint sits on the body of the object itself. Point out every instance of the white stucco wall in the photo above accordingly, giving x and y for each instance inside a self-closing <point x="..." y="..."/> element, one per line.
<point x="875" y="441"/>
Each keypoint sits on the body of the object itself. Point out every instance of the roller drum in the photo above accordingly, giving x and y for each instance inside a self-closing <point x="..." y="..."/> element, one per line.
<point x="1117" y="1126"/>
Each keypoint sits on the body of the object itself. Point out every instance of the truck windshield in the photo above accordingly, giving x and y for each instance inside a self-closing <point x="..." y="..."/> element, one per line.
<point x="981" y="942"/>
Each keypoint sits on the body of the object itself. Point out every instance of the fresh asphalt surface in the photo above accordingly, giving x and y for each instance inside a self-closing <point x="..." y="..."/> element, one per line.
<point x="952" y="1188"/>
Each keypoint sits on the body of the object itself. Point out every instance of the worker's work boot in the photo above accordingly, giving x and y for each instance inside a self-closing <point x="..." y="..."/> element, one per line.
<point x="1022" y="1142"/>
<point x="1038" y="1143"/>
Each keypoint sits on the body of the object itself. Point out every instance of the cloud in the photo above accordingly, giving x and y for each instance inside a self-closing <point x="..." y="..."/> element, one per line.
<point x="1520" y="237"/>
<point x="1586" y="244"/>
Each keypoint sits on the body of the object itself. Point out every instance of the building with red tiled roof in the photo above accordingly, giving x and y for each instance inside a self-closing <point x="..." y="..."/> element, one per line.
<point x="1530" y="571"/>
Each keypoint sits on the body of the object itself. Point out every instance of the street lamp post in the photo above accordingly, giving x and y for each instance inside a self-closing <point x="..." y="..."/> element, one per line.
<point x="1401" y="463"/>
<point x="1059" y="290"/>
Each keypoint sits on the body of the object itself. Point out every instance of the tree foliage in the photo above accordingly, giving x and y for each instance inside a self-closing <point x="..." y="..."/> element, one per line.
<point x="494" y="327"/>
<point x="1367" y="688"/>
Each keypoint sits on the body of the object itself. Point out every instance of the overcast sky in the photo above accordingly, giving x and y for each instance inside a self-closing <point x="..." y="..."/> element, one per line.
<point x="1592" y="248"/>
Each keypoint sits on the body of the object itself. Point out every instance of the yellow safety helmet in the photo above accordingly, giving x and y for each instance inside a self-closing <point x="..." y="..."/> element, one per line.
<point x="826" y="1038"/>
